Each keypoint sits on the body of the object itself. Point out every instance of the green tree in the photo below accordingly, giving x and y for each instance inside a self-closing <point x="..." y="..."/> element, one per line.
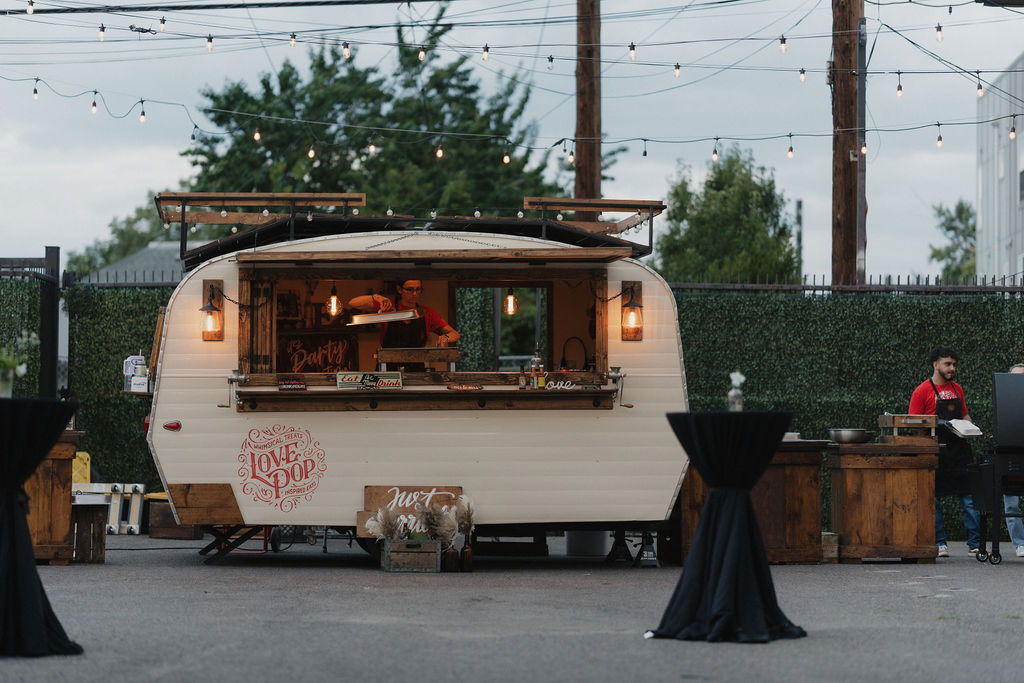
<point x="348" y="108"/>
<point x="734" y="226"/>
<point x="958" y="258"/>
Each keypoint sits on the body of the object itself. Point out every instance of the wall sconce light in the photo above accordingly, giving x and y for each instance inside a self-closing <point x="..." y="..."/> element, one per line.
<point x="213" y="311"/>
<point x="511" y="305"/>
<point x="332" y="304"/>
<point x="632" y="312"/>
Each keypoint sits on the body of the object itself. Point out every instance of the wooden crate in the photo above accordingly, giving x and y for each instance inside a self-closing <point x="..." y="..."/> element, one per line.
<point x="907" y="430"/>
<point x="49" y="508"/>
<point x="162" y="524"/>
<point x="90" y="534"/>
<point x="411" y="556"/>
<point x="883" y="506"/>
<point x="786" y="500"/>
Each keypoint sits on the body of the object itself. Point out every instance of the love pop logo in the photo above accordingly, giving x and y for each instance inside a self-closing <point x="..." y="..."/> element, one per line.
<point x="281" y="466"/>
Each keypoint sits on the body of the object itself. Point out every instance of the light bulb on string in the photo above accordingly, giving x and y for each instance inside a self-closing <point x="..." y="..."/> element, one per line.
<point x="311" y="153"/>
<point x="938" y="140"/>
<point x="35" y="90"/>
<point x="439" y="152"/>
<point x="103" y="33"/>
<point x="487" y="52"/>
<point x="572" y="156"/>
<point x="93" y="108"/>
<point x="163" y="25"/>
<point x="234" y="229"/>
<point x="645" y="148"/>
<point x="476" y="212"/>
<point x="256" y="135"/>
<point x="864" y="148"/>
<point x="291" y="41"/>
<point x="223" y="213"/>
<point x="346" y="51"/>
<point x="551" y="62"/>
<point x="390" y="212"/>
<point x="632" y="52"/>
<point x="1013" y="128"/>
<point x="309" y="216"/>
<point x="677" y="70"/>
<point x="519" y="214"/>
<point x="782" y="44"/>
<point x="194" y="129"/>
<point x="981" y="90"/>
<point x="899" y="84"/>
<point x="31" y="8"/>
<point x="789" y="152"/>
<point x="433" y="213"/>
<point x="142" y="114"/>
<point x="803" y="75"/>
<point x="714" y="152"/>
<point x="938" y="32"/>
<point x="371" y="148"/>
<point x="209" y="42"/>
<point x="506" y="158"/>
<point x="422" y="54"/>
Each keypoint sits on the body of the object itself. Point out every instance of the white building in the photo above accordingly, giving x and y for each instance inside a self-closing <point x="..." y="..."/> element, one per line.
<point x="1000" y="199"/>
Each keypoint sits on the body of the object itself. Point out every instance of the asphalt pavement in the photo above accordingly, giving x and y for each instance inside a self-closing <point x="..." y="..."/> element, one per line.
<point x="155" y="612"/>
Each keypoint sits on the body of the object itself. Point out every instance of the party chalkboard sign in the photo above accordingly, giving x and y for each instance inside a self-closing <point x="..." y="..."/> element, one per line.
<point x="317" y="352"/>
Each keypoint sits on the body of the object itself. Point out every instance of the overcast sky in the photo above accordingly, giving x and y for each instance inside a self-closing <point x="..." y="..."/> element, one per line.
<point x="66" y="172"/>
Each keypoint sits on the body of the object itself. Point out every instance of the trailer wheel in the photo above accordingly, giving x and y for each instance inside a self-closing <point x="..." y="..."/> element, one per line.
<point x="981" y="556"/>
<point x="996" y="558"/>
<point x="371" y="546"/>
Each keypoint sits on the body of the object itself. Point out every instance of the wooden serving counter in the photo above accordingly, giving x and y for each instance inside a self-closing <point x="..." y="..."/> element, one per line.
<point x="787" y="502"/>
<point x="883" y="500"/>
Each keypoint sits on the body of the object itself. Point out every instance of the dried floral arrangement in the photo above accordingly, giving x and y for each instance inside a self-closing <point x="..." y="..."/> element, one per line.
<point x="386" y="524"/>
<point x="439" y="523"/>
<point x="464" y="514"/>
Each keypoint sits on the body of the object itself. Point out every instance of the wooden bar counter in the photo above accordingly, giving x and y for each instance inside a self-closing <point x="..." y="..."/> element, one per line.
<point x="49" y="507"/>
<point x="787" y="502"/>
<point x="883" y="500"/>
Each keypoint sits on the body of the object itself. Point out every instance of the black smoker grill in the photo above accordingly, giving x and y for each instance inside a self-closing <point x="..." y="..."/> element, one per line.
<point x="1001" y="469"/>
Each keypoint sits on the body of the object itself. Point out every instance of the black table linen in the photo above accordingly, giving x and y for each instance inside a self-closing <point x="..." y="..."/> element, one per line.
<point x="726" y="591"/>
<point x="28" y="625"/>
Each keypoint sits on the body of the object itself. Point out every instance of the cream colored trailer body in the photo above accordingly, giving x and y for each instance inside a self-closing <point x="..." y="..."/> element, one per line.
<point x="518" y="466"/>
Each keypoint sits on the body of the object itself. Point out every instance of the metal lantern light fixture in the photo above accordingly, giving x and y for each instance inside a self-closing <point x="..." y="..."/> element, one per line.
<point x="511" y="305"/>
<point x="213" y="315"/>
<point x="632" y="312"/>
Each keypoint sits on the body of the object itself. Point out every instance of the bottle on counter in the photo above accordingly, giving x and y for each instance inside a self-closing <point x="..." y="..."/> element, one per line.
<point x="522" y="376"/>
<point x="541" y="379"/>
<point x="535" y="368"/>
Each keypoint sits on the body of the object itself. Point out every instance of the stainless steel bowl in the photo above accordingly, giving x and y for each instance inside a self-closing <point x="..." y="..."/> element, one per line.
<point x="850" y="435"/>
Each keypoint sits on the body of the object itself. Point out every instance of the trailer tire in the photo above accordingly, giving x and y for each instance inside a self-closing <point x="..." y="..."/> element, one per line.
<point x="371" y="546"/>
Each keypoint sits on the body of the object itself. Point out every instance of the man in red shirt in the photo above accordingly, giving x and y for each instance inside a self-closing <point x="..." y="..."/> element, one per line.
<point x="939" y="395"/>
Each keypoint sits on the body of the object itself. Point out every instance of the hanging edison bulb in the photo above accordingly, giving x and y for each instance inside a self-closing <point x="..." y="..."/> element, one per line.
<point x="163" y="25"/>
<point x="789" y="152"/>
<point x="782" y="44"/>
<point x="256" y="135"/>
<point x="506" y="158"/>
<point x="803" y="75"/>
<point x="423" y="54"/>
<point x="938" y="32"/>
<point x="291" y="41"/>
<point x="332" y="304"/>
<point x="93" y="108"/>
<point x="103" y="33"/>
<point x="632" y="52"/>
<point x="487" y="52"/>
<point x="31" y="8"/>
<point x="209" y="43"/>
<point x="551" y="62"/>
<point x="1013" y="128"/>
<point x="372" y="149"/>
<point x="572" y="156"/>
<point x="311" y="153"/>
<point x="677" y="69"/>
<point x="346" y="51"/>
<point x="511" y="304"/>
<point x="439" y="152"/>
<point x="142" y="114"/>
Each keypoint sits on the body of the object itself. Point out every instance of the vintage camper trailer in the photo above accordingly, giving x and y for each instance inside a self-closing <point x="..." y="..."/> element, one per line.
<point x="270" y="408"/>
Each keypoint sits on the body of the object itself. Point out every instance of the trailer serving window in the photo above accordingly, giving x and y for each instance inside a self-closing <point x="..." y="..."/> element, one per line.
<point x="295" y="328"/>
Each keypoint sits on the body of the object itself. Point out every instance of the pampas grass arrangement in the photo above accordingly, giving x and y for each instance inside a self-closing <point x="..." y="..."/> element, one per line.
<point x="464" y="514"/>
<point x="439" y="523"/>
<point x="385" y="524"/>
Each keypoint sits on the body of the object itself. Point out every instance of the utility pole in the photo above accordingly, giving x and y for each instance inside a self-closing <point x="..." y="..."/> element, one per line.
<point x="588" y="104"/>
<point x="848" y="162"/>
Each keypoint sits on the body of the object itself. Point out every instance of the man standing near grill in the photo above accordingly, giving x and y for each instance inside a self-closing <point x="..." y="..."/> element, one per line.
<point x="939" y="395"/>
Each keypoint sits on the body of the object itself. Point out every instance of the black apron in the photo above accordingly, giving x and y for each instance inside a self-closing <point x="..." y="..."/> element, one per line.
<point x="407" y="334"/>
<point x="954" y="452"/>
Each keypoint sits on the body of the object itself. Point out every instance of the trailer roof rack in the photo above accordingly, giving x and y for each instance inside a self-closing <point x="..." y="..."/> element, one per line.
<point x="334" y="217"/>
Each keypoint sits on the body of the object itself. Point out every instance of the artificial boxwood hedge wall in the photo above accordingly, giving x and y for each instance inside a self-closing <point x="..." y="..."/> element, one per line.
<point x="843" y="360"/>
<point x="835" y="361"/>
<point x="105" y="326"/>
<point x="19" y="311"/>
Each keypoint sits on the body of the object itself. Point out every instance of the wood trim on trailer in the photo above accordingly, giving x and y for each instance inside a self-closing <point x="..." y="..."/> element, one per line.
<point x="250" y="401"/>
<point x="199" y="503"/>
